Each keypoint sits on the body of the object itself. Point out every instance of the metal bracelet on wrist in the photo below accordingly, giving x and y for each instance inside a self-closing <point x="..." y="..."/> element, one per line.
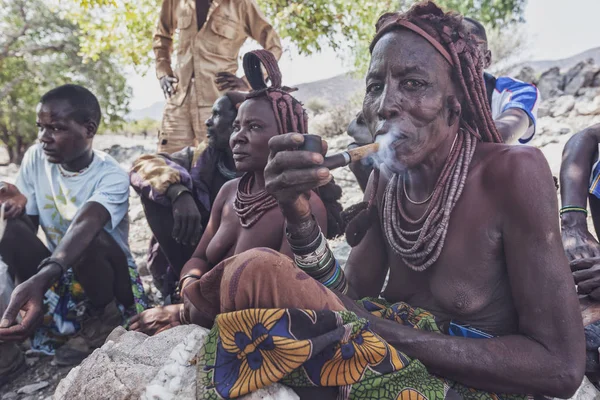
<point x="47" y="261"/>
<point x="301" y="231"/>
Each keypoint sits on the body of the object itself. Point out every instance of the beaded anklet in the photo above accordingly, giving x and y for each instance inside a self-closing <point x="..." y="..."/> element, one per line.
<point x="567" y="209"/>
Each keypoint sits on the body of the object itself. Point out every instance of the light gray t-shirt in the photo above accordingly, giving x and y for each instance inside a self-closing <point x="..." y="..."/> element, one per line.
<point x="56" y="195"/>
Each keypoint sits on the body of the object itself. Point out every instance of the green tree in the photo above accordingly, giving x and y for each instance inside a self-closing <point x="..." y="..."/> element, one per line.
<point x="125" y="27"/>
<point x="39" y="50"/>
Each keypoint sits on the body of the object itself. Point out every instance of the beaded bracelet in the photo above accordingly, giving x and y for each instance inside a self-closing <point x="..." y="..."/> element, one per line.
<point x="567" y="209"/>
<point x="315" y="258"/>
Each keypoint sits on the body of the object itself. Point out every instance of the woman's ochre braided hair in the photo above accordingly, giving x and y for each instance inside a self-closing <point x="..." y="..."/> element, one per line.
<point x="291" y="117"/>
<point x="420" y="248"/>
<point x="447" y="29"/>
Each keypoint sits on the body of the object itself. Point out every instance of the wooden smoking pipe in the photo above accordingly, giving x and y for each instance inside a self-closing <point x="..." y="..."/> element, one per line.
<point x="313" y="143"/>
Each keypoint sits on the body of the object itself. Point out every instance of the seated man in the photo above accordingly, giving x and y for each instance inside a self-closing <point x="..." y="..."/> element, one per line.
<point x="513" y="104"/>
<point x="77" y="288"/>
<point x="454" y="217"/>
<point x="579" y="176"/>
<point x="178" y="191"/>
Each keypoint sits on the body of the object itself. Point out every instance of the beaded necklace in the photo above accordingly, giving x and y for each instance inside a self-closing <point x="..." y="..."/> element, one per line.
<point x="68" y="174"/>
<point x="250" y="207"/>
<point x="421" y="248"/>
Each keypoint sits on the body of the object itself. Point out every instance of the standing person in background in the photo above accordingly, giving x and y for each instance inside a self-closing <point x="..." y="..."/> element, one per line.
<point x="211" y="34"/>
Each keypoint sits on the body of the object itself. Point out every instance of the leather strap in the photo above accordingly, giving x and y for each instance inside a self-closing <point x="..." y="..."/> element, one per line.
<point x="428" y="37"/>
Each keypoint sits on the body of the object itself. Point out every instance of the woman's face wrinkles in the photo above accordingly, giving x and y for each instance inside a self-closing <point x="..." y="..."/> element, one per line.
<point x="406" y="103"/>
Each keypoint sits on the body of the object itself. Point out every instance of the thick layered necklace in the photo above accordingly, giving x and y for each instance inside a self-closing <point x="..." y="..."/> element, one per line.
<point x="250" y="207"/>
<point x="420" y="248"/>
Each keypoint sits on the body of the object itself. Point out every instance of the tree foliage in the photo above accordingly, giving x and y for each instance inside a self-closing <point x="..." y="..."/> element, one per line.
<point x="39" y="50"/>
<point x="125" y="27"/>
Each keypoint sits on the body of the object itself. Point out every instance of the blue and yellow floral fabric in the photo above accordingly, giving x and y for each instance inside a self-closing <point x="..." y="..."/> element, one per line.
<point x="250" y="349"/>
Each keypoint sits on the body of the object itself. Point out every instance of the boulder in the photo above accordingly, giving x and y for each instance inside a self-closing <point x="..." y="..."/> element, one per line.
<point x="588" y="107"/>
<point x="526" y="74"/>
<point x="545" y="108"/>
<point x="596" y="82"/>
<point x="587" y="93"/>
<point x="132" y="365"/>
<point x="579" y="76"/>
<point x="551" y="83"/>
<point x="563" y="105"/>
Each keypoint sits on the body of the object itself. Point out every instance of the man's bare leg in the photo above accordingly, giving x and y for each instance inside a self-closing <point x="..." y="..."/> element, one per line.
<point x="104" y="273"/>
<point x="21" y="249"/>
<point x="160" y="219"/>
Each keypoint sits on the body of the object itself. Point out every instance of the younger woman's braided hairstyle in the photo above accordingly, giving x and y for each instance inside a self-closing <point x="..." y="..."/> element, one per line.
<point x="291" y="117"/>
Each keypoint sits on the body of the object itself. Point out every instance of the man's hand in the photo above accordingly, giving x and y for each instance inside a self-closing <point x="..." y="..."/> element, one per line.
<point x="156" y="320"/>
<point x="28" y="299"/>
<point x="577" y="240"/>
<point x="228" y="81"/>
<point x="586" y="273"/>
<point x="14" y="202"/>
<point x="168" y="85"/>
<point x="187" y="228"/>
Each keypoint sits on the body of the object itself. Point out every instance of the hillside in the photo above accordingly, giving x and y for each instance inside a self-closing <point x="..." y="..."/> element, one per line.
<point x="333" y="90"/>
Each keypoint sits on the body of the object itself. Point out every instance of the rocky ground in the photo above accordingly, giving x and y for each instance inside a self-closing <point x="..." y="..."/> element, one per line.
<point x="573" y="103"/>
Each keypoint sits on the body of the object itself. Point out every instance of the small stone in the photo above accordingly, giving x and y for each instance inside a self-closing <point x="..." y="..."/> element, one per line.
<point x="29" y="389"/>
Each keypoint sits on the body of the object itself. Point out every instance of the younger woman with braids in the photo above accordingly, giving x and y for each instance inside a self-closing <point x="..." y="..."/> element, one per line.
<point x="244" y="216"/>
<point x="454" y="217"/>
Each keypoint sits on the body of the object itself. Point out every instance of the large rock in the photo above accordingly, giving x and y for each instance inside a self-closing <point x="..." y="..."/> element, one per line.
<point x="588" y="107"/>
<point x="579" y="76"/>
<point x="526" y="74"/>
<point x="551" y="83"/>
<point x="132" y="365"/>
<point x="545" y="107"/>
<point x="596" y="81"/>
<point x="563" y="105"/>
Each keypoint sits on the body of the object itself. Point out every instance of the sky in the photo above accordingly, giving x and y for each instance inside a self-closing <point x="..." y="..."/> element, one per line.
<point x="556" y="29"/>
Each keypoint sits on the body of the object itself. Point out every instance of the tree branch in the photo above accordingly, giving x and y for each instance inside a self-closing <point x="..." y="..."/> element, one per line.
<point x="7" y="88"/>
<point x="36" y="50"/>
<point x="12" y="39"/>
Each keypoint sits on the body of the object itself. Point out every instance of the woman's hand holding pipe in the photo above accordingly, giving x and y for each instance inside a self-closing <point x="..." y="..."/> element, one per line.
<point x="291" y="174"/>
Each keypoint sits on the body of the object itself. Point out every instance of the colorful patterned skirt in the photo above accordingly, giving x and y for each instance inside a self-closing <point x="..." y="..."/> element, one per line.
<point x="250" y="349"/>
<point x="65" y="305"/>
